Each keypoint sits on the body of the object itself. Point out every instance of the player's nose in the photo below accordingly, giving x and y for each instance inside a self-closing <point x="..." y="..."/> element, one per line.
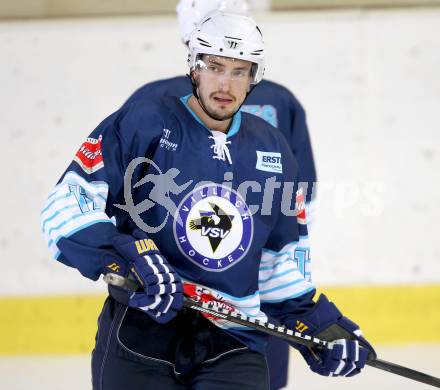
<point x="224" y="84"/>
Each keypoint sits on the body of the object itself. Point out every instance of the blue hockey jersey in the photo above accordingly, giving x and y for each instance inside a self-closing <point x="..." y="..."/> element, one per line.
<point x="228" y="226"/>
<point x="268" y="100"/>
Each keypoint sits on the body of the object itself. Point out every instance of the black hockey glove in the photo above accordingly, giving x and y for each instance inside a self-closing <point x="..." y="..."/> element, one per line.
<point x="161" y="293"/>
<point x="349" y="350"/>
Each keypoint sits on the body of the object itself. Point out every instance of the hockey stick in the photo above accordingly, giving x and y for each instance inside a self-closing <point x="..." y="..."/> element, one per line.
<point x="279" y="331"/>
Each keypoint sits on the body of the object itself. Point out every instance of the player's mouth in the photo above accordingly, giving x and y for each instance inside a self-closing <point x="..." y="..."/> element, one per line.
<point x="223" y="100"/>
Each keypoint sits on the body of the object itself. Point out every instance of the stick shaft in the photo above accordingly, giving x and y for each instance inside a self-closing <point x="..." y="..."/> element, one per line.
<point x="314" y="342"/>
<point x="279" y="331"/>
<point x="405" y="372"/>
<point x="204" y="307"/>
<point x="263" y="326"/>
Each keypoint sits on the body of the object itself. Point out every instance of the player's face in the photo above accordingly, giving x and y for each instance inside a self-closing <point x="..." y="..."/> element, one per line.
<point x="223" y="83"/>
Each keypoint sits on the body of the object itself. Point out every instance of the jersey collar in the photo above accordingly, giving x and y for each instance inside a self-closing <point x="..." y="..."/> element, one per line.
<point x="236" y="119"/>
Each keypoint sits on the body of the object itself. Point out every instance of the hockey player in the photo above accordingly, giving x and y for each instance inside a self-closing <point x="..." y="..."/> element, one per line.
<point x="268" y="100"/>
<point x="228" y="233"/>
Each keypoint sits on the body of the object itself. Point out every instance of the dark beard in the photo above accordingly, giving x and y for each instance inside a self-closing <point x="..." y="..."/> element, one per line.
<point x="213" y="115"/>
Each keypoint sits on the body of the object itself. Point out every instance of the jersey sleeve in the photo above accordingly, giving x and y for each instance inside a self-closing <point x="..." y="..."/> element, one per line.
<point x="78" y="220"/>
<point x="285" y="283"/>
<point x="302" y="148"/>
<point x="147" y="91"/>
<point x="177" y="86"/>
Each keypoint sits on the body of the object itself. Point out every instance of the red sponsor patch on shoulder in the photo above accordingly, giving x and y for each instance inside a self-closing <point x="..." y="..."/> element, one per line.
<point x="89" y="155"/>
<point x="300" y="207"/>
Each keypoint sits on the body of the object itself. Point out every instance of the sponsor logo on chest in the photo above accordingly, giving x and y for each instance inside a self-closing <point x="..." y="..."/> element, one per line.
<point x="166" y="143"/>
<point x="269" y="162"/>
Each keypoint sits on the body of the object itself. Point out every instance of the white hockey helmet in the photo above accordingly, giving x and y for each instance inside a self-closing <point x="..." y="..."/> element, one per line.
<point x="228" y="35"/>
<point x="191" y="12"/>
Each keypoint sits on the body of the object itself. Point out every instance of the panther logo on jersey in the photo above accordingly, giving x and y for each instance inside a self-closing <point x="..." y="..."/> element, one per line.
<point x="214" y="224"/>
<point x="216" y="227"/>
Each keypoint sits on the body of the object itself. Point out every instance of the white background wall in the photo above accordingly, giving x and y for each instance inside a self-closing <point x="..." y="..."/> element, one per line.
<point x="369" y="81"/>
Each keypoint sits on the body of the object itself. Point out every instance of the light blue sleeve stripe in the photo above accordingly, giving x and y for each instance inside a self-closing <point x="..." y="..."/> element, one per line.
<point x="58" y="213"/>
<point x="278" y="254"/>
<point x="275" y="256"/>
<point x="50" y="242"/>
<point x="281" y="287"/>
<point x="66" y="196"/>
<point x="250" y="307"/>
<point x="276" y="265"/>
<point x="276" y="276"/>
<point x="51" y="203"/>
<point x="274" y="253"/>
<point x="251" y="315"/>
<point x="52" y="194"/>
<point x="289" y="297"/>
<point x="232" y="298"/>
<point x="72" y="219"/>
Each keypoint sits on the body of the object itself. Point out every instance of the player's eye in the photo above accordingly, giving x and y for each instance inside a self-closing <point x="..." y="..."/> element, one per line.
<point x="239" y="73"/>
<point x="214" y="68"/>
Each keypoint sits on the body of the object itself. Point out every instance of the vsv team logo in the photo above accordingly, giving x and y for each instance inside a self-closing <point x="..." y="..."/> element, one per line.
<point x="216" y="227"/>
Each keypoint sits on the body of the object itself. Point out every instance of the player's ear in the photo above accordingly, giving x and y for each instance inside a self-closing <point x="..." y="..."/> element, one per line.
<point x="194" y="75"/>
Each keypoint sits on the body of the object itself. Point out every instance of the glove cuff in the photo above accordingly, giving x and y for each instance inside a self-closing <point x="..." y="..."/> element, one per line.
<point x="131" y="247"/>
<point x="112" y="262"/>
<point x="322" y="315"/>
